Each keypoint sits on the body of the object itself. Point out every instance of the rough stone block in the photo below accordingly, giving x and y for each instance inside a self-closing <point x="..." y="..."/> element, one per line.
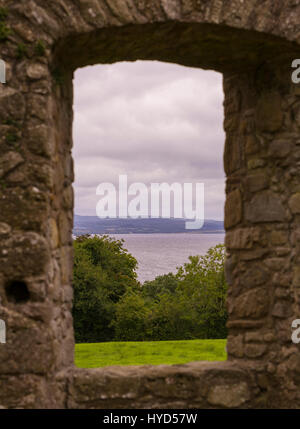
<point x="265" y="207"/>
<point x="255" y="350"/>
<point x="233" y="208"/>
<point x="242" y="238"/>
<point x="9" y="161"/>
<point x="279" y="148"/>
<point x="253" y="304"/>
<point x="37" y="71"/>
<point x="269" y="114"/>
<point x="257" y="182"/>
<point x="230" y="396"/>
<point x="294" y="203"/>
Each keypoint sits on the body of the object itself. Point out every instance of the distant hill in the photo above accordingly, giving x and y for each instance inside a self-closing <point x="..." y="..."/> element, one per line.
<point x="94" y="225"/>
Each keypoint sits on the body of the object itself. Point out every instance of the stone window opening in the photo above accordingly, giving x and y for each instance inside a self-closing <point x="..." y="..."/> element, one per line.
<point x="100" y="127"/>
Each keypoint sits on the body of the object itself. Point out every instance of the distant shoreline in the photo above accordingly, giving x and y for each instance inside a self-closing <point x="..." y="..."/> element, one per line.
<point x="95" y="225"/>
<point x="77" y="234"/>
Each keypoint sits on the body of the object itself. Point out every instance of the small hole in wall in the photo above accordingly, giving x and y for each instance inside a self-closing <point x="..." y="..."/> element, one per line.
<point x="17" y="292"/>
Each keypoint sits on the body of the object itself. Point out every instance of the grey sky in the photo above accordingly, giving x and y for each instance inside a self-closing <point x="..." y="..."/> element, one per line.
<point x="155" y="122"/>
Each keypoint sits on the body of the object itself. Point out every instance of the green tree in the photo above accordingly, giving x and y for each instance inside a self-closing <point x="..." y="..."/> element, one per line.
<point x="109" y="303"/>
<point x="132" y="318"/>
<point x="186" y="305"/>
<point x="103" y="271"/>
<point x="202" y="282"/>
<point x="172" y="318"/>
<point x="161" y="284"/>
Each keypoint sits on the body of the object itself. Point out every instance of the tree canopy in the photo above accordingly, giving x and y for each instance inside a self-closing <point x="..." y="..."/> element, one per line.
<point x="103" y="272"/>
<point x="110" y="304"/>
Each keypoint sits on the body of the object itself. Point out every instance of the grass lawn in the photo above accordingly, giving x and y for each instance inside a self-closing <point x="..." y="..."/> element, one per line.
<point x="148" y="352"/>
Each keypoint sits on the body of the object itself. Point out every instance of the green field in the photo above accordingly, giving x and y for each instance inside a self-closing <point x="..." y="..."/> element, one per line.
<point x="148" y="352"/>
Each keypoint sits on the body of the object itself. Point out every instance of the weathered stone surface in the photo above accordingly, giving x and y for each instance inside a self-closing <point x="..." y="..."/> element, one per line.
<point x="254" y="275"/>
<point x="269" y="114"/>
<point x="29" y="349"/>
<point x="9" y="161"/>
<point x="256" y="163"/>
<point x="232" y="154"/>
<point x="278" y="238"/>
<point x="255" y="350"/>
<point x="282" y="309"/>
<point x="54" y="233"/>
<point x="39" y="141"/>
<point x="235" y="346"/>
<point x="251" y="145"/>
<point x="4" y="228"/>
<point x="279" y="148"/>
<point x="230" y="396"/>
<point x="254" y="337"/>
<point x="282" y="279"/>
<point x="243" y="324"/>
<point x="296" y="277"/>
<point x="233" y="209"/>
<point x="25" y="391"/>
<point x="294" y="203"/>
<point x="265" y="207"/>
<point x="276" y="264"/>
<point x="250" y="255"/>
<point x="68" y="198"/>
<point x="37" y="71"/>
<point x="188" y="385"/>
<point x="250" y="305"/>
<point x="269" y="337"/>
<point x="24" y="254"/>
<point x="257" y="182"/>
<point x="243" y="238"/>
<point x="281" y="292"/>
<point x="12" y="104"/>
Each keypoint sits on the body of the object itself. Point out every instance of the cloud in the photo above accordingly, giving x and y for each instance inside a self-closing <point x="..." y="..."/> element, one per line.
<point x="155" y="122"/>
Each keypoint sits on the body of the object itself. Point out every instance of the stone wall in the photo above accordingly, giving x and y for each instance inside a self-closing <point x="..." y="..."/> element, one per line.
<point x="252" y="43"/>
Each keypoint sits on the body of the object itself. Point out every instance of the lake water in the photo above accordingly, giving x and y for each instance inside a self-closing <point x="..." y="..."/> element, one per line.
<point x="161" y="253"/>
